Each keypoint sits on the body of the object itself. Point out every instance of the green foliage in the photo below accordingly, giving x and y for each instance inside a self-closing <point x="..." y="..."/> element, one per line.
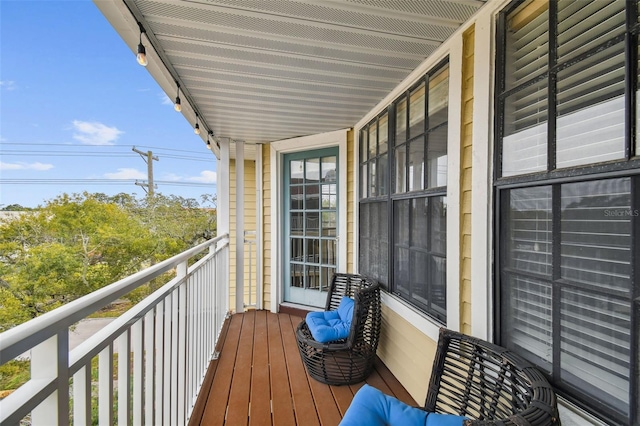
<point x="14" y="374"/>
<point x="79" y="243"/>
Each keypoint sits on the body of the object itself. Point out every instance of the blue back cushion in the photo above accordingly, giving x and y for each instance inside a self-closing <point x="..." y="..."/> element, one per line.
<point x="327" y="326"/>
<point x="371" y="407"/>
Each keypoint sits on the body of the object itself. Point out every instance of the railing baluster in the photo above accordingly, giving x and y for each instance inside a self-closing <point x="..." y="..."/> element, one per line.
<point x="56" y="406"/>
<point x="166" y="375"/>
<point x="137" y="336"/>
<point x="149" y="334"/>
<point x="159" y="370"/>
<point x="174" y="357"/>
<point x="105" y="386"/>
<point x="124" y="379"/>
<point x="82" y="396"/>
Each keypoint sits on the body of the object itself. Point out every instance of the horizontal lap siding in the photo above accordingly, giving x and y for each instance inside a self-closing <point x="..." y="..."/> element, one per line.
<point x="249" y="211"/>
<point x="351" y="203"/>
<point x="466" y="145"/>
<point x="266" y="227"/>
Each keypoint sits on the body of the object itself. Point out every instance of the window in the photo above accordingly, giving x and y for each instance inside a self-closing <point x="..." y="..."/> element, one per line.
<point x="403" y="214"/>
<point x="568" y="197"/>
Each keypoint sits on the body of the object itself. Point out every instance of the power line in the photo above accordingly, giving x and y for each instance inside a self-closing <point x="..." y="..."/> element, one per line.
<point x="94" y="155"/>
<point x="157" y="148"/>
<point x="97" y="182"/>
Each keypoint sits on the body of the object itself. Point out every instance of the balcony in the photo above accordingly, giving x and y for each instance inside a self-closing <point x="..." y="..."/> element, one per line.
<point x="189" y="361"/>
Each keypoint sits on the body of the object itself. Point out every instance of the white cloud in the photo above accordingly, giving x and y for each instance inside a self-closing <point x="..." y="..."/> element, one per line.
<point x="126" y="174"/>
<point x="166" y="100"/>
<point x="206" y="176"/>
<point x="25" y="166"/>
<point x="94" y="133"/>
<point x="8" y="84"/>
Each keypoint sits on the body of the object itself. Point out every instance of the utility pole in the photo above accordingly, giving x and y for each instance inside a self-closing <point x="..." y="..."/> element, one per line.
<point x="148" y="158"/>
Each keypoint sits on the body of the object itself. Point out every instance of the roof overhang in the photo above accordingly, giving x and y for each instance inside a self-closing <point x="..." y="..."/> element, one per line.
<point x="265" y="70"/>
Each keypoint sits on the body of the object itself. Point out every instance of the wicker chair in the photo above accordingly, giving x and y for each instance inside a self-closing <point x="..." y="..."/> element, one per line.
<point x="349" y="360"/>
<point x="488" y="384"/>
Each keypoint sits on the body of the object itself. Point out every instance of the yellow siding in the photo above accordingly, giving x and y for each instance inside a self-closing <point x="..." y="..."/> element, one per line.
<point x="351" y="201"/>
<point x="465" y="179"/>
<point x="249" y="211"/>
<point x="266" y="227"/>
<point x="407" y="352"/>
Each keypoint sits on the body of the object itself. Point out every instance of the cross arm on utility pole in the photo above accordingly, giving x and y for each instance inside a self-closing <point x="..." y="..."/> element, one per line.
<point x="148" y="158"/>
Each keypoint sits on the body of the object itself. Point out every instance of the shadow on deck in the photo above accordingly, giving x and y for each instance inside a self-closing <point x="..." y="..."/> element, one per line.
<point x="259" y="379"/>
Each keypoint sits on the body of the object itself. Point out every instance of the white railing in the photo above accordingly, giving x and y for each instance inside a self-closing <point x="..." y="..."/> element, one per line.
<point x="168" y="340"/>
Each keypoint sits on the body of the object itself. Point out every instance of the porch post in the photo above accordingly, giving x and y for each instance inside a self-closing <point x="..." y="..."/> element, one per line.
<point x="239" y="226"/>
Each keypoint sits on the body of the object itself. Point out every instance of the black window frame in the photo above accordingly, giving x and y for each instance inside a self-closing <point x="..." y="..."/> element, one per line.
<point x="385" y="202"/>
<point x="627" y="167"/>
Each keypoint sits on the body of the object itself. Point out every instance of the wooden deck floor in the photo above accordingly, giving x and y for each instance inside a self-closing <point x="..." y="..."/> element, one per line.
<point x="259" y="379"/>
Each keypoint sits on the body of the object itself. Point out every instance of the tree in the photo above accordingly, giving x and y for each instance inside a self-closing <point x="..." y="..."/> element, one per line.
<point x="79" y="243"/>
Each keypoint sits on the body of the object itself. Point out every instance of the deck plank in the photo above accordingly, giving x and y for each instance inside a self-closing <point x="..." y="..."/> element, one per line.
<point x="280" y="387"/>
<point x="216" y="408"/>
<point x="303" y="403"/>
<point x="260" y="408"/>
<point x="260" y="379"/>
<point x="238" y="413"/>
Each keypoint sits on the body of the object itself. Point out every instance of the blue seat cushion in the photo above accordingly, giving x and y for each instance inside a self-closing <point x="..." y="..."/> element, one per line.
<point x="371" y="407"/>
<point x="327" y="326"/>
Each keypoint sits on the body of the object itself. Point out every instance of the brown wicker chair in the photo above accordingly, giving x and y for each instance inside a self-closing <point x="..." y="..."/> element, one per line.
<point x="488" y="384"/>
<point x="349" y="360"/>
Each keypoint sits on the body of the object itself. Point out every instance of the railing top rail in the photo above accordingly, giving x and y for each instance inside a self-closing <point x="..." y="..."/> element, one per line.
<point x="21" y="338"/>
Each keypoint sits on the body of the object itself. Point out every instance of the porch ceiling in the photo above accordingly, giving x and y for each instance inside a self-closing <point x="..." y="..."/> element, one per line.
<point x="266" y="70"/>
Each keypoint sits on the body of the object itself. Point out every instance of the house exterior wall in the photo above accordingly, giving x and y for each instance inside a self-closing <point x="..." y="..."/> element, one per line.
<point x="266" y="226"/>
<point x="351" y="201"/>
<point x="249" y="211"/>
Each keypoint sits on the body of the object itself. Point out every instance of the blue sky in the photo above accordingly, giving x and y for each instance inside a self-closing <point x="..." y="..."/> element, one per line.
<point x="73" y="104"/>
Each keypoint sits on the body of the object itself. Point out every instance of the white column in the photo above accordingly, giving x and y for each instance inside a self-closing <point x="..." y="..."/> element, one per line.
<point x="239" y="226"/>
<point x="481" y="181"/>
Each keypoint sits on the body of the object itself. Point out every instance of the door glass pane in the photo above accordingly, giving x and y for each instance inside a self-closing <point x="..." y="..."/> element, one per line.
<point x="297" y="249"/>
<point x="328" y="252"/>
<point x="591" y="109"/>
<point x="312" y="170"/>
<point x="416" y="111"/>
<point x="312" y="274"/>
<point x="312" y="224"/>
<point x="524" y="146"/>
<point x="313" y="250"/>
<point x="297" y="197"/>
<point x="296" y="169"/>
<point x="329" y="197"/>
<point x="596" y="233"/>
<point x="297" y="223"/>
<point x="326" y="276"/>
<point x="312" y="197"/>
<point x="416" y="164"/>
<point x="329" y="224"/>
<point x="437" y="158"/>
<point x="328" y="169"/>
<point x="297" y="275"/>
<point x="401" y="120"/>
